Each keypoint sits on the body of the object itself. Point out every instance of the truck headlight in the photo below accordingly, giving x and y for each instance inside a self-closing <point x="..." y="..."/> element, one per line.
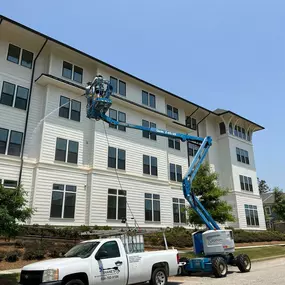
<point x="50" y="275"/>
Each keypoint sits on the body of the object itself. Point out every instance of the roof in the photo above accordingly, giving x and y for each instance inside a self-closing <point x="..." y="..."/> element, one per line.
<point x="268" y="198"/>
<point x="122" y="71"/>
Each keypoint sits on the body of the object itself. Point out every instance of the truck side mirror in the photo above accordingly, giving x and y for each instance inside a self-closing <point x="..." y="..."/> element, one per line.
<point x="101" y="254"/>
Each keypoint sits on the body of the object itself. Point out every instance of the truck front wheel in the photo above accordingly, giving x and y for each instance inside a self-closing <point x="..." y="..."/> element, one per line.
<point x="75" y="282"/>
<point x="158" y="277"/>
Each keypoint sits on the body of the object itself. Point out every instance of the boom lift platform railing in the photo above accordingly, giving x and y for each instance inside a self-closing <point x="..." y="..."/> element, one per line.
<point x="214" y="245"/>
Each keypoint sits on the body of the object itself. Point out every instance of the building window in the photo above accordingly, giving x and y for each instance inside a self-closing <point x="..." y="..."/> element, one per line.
<point x="242" y="155"/>
<point x="71" y="71"/>
<point x="12" y="184"/>
<point x="116" y="158"/>
<point x="114" y="83"/>
<point x="117" y="202"/>
<point x="179" y="213"/>
<point x="69" y="109"/>
<point x="3" y="140"/>
<point x="117" y="116"/>
<point x="17" y="55"/>
<point x="15" y="143"/>
<point x="174" y="143"/>
<point x="191" y="123"/>
<point x="193" y="149"/>
<point x="63" y="201"/>
<point x="122" y="86"/>
<point x="245" y="183"/>
<point x="152" y="207"/>
<point x="7" y="96"/>
<point x="251" y="215"/>
<point x="268" y="210"/>
<point x="27" y="58"/>
<point x="149" y="165"/>
<point x="66" y="151"/>
<point x="148" y="99"/>
<point x="175" y="172"/>
<point x="222" y="128"/>
<point x="147" y="134"/>
<point x="172" y="112"/>
<point x="239" y="131"/>
<point x="10" y="142"/>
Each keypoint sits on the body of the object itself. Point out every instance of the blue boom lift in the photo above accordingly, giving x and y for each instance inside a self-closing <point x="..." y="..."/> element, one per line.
<point x="214" y="247"/>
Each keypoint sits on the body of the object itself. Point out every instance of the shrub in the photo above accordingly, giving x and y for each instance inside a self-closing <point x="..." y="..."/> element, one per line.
<point x="13" y="256"/>
<point x="2" y="255"/>
<point x="19" y="243"/>
<point x="34" y="254"/>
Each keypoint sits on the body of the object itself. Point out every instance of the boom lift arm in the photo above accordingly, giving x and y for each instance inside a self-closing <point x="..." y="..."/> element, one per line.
<point x="99" y="102"/>
<point x="215" y="244"/>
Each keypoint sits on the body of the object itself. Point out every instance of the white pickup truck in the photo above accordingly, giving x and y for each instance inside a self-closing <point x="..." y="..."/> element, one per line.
<point x="103" y="261"/>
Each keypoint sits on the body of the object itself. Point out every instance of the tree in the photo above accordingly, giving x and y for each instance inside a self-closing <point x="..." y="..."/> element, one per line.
<point x="205" y="185"/>
<point x="13" y="210"/>
<point x="279" y="204"/>
<point x="262" y="186"/>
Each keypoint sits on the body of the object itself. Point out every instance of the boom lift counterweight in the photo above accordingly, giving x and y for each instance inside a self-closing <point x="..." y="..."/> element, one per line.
<point x="215" y="245"/>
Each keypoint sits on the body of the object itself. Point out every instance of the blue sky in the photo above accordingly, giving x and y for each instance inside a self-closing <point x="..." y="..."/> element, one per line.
<point x="219" y="54"/>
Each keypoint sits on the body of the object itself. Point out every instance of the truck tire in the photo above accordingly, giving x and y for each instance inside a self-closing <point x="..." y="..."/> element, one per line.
<point x="75" y="282"/>
<point x="243" y="262"/>
<point x="158" y="277"/>
<point x="219" y="267"/>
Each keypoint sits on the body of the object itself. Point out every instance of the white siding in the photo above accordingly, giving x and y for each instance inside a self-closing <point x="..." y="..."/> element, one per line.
<point x="45" y="179"/>
<point x="91" y="174"/>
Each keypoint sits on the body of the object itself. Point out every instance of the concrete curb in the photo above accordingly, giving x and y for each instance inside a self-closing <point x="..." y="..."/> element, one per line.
<point x="268" y="258"/>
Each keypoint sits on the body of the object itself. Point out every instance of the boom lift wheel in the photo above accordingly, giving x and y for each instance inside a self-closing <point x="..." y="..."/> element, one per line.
<point x="219" y="267"/>
<point x="243" y="262"/>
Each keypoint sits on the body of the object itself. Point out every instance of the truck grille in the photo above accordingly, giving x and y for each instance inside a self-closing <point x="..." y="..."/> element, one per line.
<point x="31" y="277"/>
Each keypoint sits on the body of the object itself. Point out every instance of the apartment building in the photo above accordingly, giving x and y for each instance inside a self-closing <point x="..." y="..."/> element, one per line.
<point x="80" y="171"/>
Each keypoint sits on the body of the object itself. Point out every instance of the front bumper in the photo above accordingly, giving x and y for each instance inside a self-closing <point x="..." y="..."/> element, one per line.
<point x="48" y="283"/>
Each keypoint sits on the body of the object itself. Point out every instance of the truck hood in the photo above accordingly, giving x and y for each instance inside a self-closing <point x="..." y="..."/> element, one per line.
<point x="52" y="263"/>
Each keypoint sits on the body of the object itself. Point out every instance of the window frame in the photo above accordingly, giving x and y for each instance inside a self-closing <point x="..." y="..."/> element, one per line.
<point x="152" y="169"/>
<point x="119" y="195"/>
<point x="15" y="96"/>
<point x="147" y="134"/>
<point x="116" y="158"/>
<point x="66" y="151"/>
<point x="9" y="144"/>
<point x="153" y="198"/>
<point x="181" y="217"/>
<point x="73" y="72"/>
<point x="174" y="112"/>
<point x="118" y="85"/>
<point x="63" y="200"/>
<point x="20" y="60"/>
<point x="242" y="156"/>
<point x="246" y="183"/>
<point x="117" y="118"/>
<point x="175" y="143"/>
<point x="69" y="106"/>
<point x="148" y="103"/>
<point x="176" y="172"/>
<point x="251" y="213"/>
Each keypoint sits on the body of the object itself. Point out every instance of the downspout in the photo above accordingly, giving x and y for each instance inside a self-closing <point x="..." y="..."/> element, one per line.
<point x="28" y="111"/>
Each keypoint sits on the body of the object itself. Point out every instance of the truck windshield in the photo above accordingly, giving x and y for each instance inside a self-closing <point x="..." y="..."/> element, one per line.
<point x="82" y="250"/>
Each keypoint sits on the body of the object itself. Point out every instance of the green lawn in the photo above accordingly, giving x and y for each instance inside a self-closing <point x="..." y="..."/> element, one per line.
<point x="9" y="279"/>
<point x="254" y="253"/>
